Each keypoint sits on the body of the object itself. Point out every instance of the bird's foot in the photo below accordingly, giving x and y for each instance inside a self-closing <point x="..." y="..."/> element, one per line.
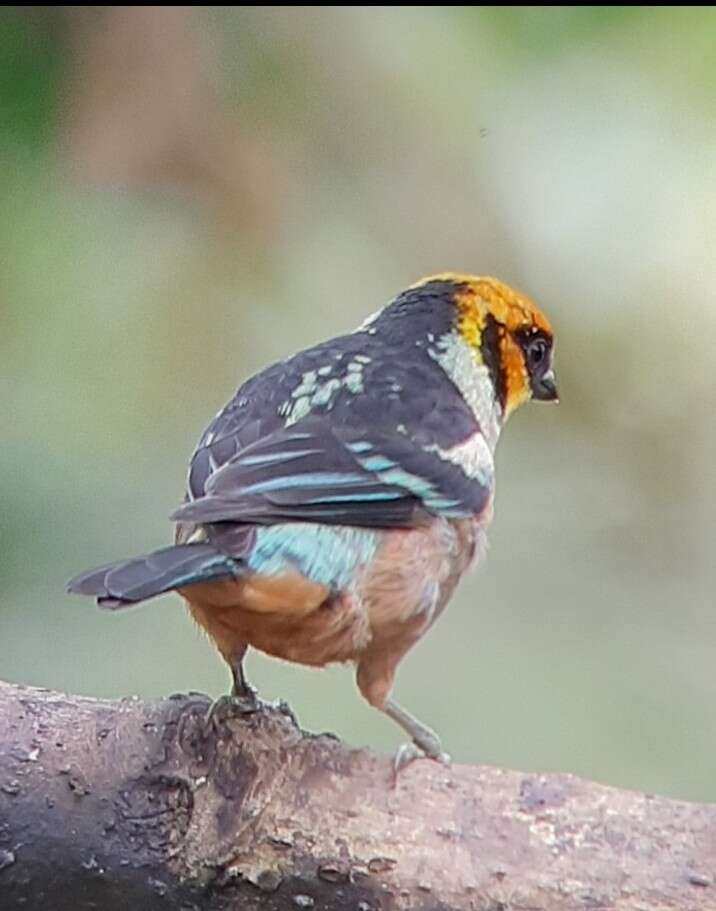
<point x="425" y="742"/>
<point x="429" y="747"/>
<point x="233" y="705"/>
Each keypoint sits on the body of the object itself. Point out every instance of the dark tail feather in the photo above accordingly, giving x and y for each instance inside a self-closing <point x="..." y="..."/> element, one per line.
<point x="129" y="581"/>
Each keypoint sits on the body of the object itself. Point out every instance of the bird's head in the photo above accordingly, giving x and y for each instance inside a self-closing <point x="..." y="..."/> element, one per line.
<point x="505" y="330"/>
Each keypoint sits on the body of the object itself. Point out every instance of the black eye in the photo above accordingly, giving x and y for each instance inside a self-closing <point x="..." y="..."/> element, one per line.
<point x="537" y="353"/>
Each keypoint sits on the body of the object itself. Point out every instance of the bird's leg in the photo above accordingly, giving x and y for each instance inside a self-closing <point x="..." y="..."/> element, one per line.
<point x="242" y="700"/>
<point x="240" y="687"/>
<point x="424" y="741"/>
<point x="375" y="675"/>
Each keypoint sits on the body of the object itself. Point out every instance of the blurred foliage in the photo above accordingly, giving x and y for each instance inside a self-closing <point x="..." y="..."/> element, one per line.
<point x="29" y="75"/>
<point x="189" y="193"/>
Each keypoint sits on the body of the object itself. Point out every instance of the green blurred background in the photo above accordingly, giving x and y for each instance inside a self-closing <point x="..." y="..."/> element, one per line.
<point x="189" y="193"/>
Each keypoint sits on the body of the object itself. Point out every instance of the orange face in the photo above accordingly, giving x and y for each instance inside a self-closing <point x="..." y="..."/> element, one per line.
<point x="518" y="321"/>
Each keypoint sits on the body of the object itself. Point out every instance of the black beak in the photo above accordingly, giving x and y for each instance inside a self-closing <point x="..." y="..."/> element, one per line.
<point x="545" y="389"/>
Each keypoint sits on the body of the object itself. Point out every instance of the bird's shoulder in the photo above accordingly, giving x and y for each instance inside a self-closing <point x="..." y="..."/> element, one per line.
<point x="388" y="383"/>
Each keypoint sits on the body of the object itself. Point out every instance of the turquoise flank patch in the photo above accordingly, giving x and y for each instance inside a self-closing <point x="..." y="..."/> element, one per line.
<point x="325" y="554"/>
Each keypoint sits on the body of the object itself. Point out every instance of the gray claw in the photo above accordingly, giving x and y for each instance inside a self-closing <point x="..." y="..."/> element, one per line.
<point x="408" y="752"/>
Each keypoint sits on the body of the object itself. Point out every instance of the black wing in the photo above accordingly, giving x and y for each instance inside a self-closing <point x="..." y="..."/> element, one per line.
<point x="361" y="430"/>
<point x="315" y="471"/>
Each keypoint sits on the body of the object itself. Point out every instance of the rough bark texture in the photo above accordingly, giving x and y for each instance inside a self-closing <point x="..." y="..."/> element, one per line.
<point x="131" y="805"/>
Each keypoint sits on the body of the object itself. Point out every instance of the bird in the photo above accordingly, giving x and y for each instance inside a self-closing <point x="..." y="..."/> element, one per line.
<point x="333" y="505"/>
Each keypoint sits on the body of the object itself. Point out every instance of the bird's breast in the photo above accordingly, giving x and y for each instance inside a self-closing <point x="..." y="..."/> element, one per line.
<point x="414" y="573"/>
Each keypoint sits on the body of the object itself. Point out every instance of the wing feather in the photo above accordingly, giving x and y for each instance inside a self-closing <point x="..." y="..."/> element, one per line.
<point x="317" y="472"/>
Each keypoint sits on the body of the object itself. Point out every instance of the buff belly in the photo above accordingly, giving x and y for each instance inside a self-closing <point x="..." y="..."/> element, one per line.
<point x="316" y="595"/>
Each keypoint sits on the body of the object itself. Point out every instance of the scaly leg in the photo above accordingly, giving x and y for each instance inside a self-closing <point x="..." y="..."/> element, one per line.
<point x="240" y="687"/>
<point x="424" y="741"/>
<point x="375" y="675"/>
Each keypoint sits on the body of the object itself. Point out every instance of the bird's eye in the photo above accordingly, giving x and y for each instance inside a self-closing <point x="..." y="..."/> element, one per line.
<point x="536" y="353"/>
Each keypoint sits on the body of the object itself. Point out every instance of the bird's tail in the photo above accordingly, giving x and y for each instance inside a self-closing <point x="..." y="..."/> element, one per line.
<point x="126" y="582"/>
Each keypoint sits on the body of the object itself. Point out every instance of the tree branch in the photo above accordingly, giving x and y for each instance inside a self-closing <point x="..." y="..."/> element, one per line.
<point x="143" y="806"/>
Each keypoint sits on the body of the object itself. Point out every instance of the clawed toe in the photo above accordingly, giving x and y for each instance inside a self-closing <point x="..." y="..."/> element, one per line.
<point x="232" y="706"/>
<point x="408" y="752"/>
<point x="425" y="742"/>
<point x="404" y="755"/>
